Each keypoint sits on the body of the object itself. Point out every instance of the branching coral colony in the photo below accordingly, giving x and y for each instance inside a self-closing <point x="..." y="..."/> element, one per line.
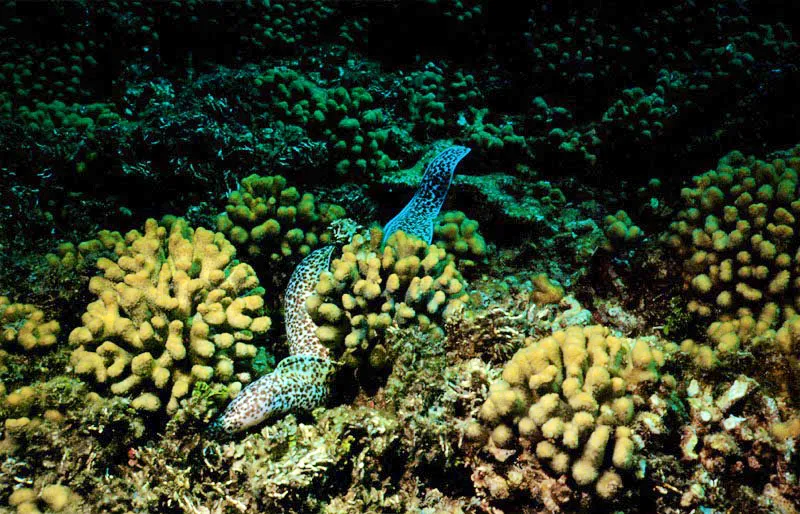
<point x="173" y="310"/>
<point x="408" y="262"/>
<point x="578" y="401"/>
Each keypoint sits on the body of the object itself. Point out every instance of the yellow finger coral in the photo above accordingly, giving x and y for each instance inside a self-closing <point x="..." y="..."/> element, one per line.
<point x="620" y="231"/>
<point x="575" y="400"/>
<point x="369" y="288"/>
<point x="546" y="290"/>
<point x="51" y="498"/>
<point x="172" y="310"/>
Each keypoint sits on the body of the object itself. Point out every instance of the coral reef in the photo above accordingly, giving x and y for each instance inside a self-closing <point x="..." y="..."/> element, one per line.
<point x="633" y="180"/>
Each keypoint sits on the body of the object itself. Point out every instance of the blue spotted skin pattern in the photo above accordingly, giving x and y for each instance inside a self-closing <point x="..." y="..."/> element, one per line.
<point x="300" y="381"/>
<point x="418" y="216"/>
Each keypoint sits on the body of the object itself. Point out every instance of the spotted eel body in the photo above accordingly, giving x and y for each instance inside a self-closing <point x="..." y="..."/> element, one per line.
<point x="300" y="381"/>
<point x="301" y="332"/>
<point x="418" y="216"/>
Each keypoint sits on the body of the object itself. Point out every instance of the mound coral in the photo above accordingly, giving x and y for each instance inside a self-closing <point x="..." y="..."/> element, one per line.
<point x="459" y="236"/>
<point x="737" y="237"/>
<point x="269" y="219"/>
<point x="577" y="401"/>
<point x="174" y="309"/>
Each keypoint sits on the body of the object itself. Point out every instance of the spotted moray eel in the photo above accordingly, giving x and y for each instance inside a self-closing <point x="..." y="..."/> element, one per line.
<point x="302" y="380"/>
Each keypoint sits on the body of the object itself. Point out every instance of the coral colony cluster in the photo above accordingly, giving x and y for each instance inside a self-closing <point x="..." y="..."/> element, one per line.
<point x="429" y="256"/>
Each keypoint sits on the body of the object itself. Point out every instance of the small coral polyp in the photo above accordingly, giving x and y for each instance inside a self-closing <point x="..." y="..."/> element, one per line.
<point x="370" y="287"/>
<point x="738" y="237"/>
<point x="575" y="401"/>
<point x="174" y="309"/>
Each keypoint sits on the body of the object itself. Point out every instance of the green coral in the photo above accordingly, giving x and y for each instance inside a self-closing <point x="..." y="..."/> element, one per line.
<point x="737" y="237"/>
<point x="459" y="10"/>
<point x="636" y="117"/>
<point x="285" y="25"/>
<point x="268" y="219"/>
<point x="62" y="71"/>
<point x="435" y="96"/>
<point x="494" y="140"/>
<point x="552" y="135"/>
<point x="346" y="119"/>
<point x="82" y="118"/>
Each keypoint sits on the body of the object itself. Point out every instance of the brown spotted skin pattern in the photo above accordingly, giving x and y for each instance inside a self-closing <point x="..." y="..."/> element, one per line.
<point x="301" y="332"/>
<point x="300" y="381"/>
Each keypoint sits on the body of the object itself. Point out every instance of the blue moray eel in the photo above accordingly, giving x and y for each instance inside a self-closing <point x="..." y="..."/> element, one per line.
<point x="302" y="380"/>
<point x="418" y="216"/>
